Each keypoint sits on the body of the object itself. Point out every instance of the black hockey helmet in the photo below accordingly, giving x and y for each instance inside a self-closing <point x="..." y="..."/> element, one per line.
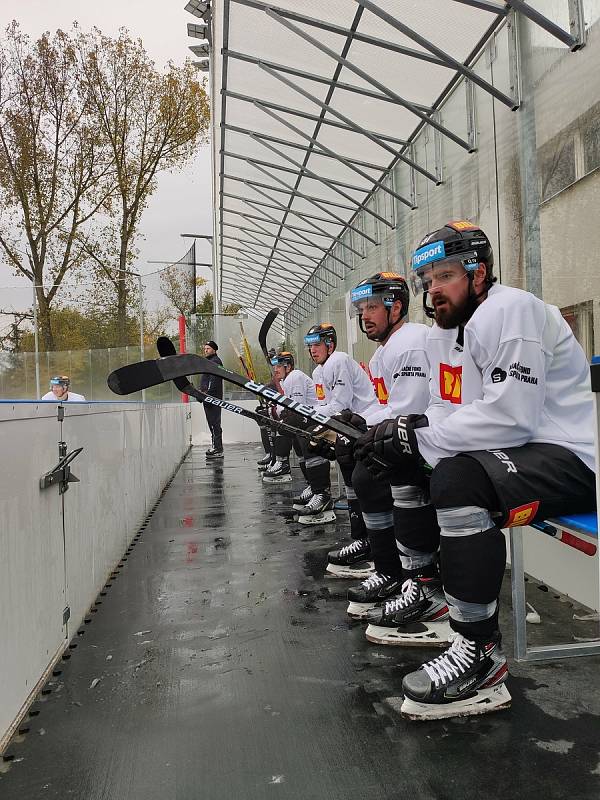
<point x="284" y="358"/>
<point x="385" y="288"/>
<point x="324" y="332"/>
<point x="461" y="241"/>
<point x="60" y="380"/>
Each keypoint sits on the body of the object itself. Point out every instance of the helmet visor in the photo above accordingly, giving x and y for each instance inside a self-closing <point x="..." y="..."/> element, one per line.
<point x="312" y="338"/>
<point x="366" y="297"/>
<point x="442" y="272"/>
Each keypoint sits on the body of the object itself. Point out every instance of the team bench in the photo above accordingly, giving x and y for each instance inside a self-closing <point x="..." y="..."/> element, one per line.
<point x="578" y="531"/>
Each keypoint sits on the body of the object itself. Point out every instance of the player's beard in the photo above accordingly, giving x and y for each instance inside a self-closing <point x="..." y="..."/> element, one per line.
<point x="455" y="314"/>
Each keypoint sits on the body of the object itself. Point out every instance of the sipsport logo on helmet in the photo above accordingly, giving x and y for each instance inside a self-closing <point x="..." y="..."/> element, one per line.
<point x="427" y="254"/>
<point x="361" y="292"/>
<point x="312" y="338"/>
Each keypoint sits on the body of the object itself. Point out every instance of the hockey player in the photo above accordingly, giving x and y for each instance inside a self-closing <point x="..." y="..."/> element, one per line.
<point x="506" y="439"/>
<point x="400" y="374"/>
<point x="346" y="386"/>
<point x="296" y="385"/>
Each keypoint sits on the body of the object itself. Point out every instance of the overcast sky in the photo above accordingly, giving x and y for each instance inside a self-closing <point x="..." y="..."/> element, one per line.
<point x="182" y="201"/>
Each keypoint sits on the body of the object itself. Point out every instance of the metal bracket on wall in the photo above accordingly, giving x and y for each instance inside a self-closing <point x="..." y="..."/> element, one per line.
<point x="577" y="22"/>
<point x="471" y="115"/>
<point x="61" y="474"/>
<point x="514" y="64"/>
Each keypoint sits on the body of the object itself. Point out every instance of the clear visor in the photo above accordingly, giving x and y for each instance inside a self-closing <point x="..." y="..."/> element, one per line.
<point x="57" y="382"/>
<point x="442" y="273"/>
<point x="359" y="305"/>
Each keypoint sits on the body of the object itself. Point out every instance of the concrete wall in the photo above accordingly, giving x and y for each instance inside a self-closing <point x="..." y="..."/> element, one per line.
<point x="57" y="550"/>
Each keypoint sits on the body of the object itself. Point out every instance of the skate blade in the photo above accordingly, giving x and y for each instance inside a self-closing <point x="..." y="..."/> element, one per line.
<point x="316" y="519"/>
<point x="359" y="610"/>
<point x="280" y="479"/>
<point x="484" y="702"/>
<point x="358" y="573"/>
<point x="418" y="634"/>
<point x="298" y="507"/>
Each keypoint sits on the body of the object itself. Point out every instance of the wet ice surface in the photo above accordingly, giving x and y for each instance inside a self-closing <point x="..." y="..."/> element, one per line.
<point x="221" y="664"/>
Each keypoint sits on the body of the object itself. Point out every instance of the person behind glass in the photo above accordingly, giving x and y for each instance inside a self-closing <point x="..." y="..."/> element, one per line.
<point x="59" y="391"/>
<point x="213" y="385"/>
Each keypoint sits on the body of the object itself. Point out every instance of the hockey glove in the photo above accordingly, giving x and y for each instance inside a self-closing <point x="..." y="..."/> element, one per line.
<point x="392" y="445"/>
<point x="262" y="412"/>
<point x="344" y="447"/>
<point x="322" y="442"/>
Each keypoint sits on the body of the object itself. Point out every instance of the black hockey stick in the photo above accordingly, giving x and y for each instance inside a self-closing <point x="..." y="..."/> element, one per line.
<point x="144" y="374"/>
<point x="166" y="348"/>
<point x="264" y="329"/>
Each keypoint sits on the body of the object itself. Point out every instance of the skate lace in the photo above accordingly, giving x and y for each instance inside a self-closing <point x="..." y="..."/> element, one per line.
<point x="409" y="593"/>
<point x="375" y="580"/>
<point x="315" y="501"/>
<point x="306" y="494"/>
<point x="453" y="663"/>
<point x="353" y="547"/>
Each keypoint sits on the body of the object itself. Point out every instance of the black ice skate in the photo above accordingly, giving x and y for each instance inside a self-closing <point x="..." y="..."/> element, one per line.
<point x="279" y="472"/>
<point x="417" y="617"/>
<point x="370" y="592"/>
<point x="318" y="510"/>
<point x="300" y="500"/>
<point x="351" y="561"/>
<point x="264" y="462"/>
<point x="467" y="679"/>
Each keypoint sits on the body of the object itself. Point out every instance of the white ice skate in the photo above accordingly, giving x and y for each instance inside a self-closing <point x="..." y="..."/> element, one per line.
<point x="466" y="680"/>
<point x="318" y="510"/>
<point x="418" y="617"/>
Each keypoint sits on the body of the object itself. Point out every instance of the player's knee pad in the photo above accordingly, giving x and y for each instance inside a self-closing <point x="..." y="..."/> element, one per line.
<point x="417" y="528"/>
<point x="374" y="495"/>
<point x="461" y="481"/>
<point x="473" y="564"/>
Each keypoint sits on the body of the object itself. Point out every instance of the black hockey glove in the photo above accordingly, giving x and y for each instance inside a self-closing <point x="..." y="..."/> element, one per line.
<point x="322" y="442"/>
<point x="392" y="445"/>
<point x="344" y="447"/>
<point x="262" y="411"/>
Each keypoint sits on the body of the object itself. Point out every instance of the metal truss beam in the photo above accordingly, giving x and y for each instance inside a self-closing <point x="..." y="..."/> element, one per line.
<point x="313" y="117"/>
<point x="272" y="221"/>
<point x="445" y="58"/>
<point x="287" y="190"/>
<point x="486" y="5"/>
<point x="351" y="124"/>
<point x="251" y="246"/>
<point x="368" y="78"/>
<point x="321" y="148"/>
<point x="275" y="236"/>
<point x="297" y="145"/>
<point x="277" y="206"/>
<point x="543" y="22"/>
<point x="275" y="279"/>
<point x="309" y="173"/>
<point x="248" y="253"/>
<point x="352" y="187"/>
<point x="310" y="76"/>
<point x="315" y="201"/>
<point x="331" y="28"/>
<point x="252" y="232"/>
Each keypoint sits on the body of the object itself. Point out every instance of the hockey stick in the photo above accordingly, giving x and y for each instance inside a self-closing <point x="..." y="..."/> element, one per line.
<point x="264" y="329"/>
<point x="166" y="348"/>
<point x="144" y="374"/>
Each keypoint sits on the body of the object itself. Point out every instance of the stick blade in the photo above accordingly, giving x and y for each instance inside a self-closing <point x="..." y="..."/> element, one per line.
<point x="135" y="377"/>
<point x="165" y="346"/>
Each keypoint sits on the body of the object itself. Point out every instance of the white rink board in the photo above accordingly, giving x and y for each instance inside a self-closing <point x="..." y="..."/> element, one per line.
<point x="130" y="451"/>
<point x="236" y="429"/>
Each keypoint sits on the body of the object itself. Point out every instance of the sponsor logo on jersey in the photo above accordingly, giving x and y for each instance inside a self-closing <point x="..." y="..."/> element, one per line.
<point x="320" y="392"/>
<point x="451" y="383"/>
<point x="427" y="254"/>
<point x="498" y="375"/>
<point x="521" y="373"/>
<point x="360" y="293"/>
<point x="522" y="515"/>
<point x="381" y="390"/>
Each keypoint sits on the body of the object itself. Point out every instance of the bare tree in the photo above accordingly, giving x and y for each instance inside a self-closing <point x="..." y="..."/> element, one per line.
<point x="54" y="174"/>
<point x="150" y="121"/>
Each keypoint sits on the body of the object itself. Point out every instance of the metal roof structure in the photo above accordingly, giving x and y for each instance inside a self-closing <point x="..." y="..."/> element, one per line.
<point x="314" y="103"/>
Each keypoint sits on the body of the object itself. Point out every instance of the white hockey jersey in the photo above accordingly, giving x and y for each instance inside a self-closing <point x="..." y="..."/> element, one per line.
<point x="298" y="386"/>
<point x="346" y="386"/>
<point x="399" y="371"/>
<point x="520" y="376"/>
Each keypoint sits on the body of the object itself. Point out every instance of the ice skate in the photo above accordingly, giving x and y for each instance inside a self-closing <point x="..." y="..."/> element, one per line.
<point x="318" y="510"/>
<point x="418" y="617"/>
<point x="370" y="592"/>
<point x="279" y="472"/>
<point x="264" y="462"/>
<point x="467" y="679"/>
<point x="351" y="561"/>
<point x="300" y="500"/>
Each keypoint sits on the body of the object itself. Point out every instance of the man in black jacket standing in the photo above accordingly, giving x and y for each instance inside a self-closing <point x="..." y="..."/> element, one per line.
<point x="213" y="385"/>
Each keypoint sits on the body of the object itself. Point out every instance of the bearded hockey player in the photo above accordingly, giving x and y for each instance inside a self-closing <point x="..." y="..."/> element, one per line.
<point x="296" y="385"/>
<point x="506" y="439"/>
<point x="400" y="376"/>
